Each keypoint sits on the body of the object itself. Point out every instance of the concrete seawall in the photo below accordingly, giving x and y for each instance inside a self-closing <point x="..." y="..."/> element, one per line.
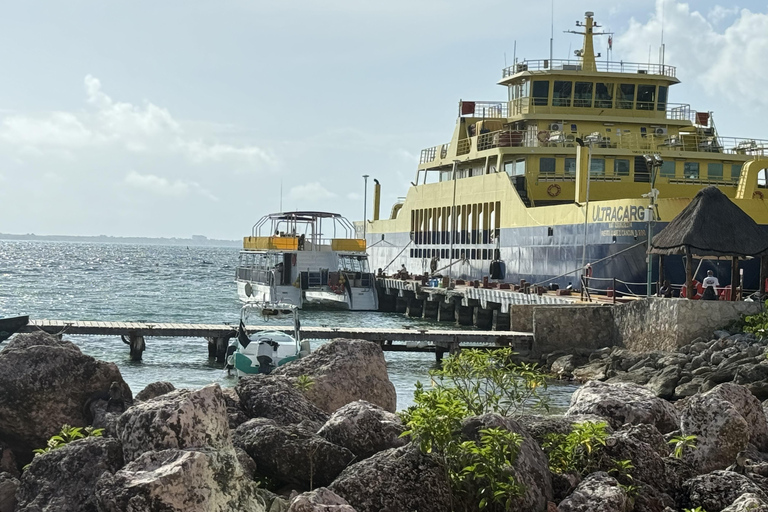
<point x="643" y="325"/>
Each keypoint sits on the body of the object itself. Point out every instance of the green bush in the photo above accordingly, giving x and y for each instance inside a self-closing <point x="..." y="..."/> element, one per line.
<point x="472" y="383"/>
<point x="66" y="436"/>
<point x="755" y="324"/>
<point x="580" y="451"/>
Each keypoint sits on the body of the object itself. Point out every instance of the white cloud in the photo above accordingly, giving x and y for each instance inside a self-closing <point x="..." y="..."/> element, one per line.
<point x="310" y="192"/>
<point x="164" y="187"/>
<point x="112" y="124"/>
<point x="722" y="62"/>
<point x="354" y="196"/>
<point x="719" y="13"/>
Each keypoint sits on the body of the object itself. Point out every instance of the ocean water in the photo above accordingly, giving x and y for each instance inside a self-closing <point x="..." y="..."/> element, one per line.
<point x="154" y="283"/>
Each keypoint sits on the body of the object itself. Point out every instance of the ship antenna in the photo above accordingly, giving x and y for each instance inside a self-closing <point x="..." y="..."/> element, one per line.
<point x="281" y="194"/>
<point x="662" y="35"/>
<point x="552" y="34"/>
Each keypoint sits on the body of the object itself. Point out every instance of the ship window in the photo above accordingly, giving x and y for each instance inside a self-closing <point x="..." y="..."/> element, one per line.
<point x="540" y="92"/>
<point x="642" y="175"/>
<point x="646" y="97"/>
<point x="546" y="166"/>
<point x="515" y="168"/>
<point x="582" y="94"/>
<point x="691" y="170"/>
<point x="445" y="175"/>
<point x="735" y="172"/>
<point x="626" y="96"/>
<point x="597" y="167"/>
<point x="661" y="103"/>
<point x="715" y="171"/>
<point x="603" y="95"/>
<point x="621" y="167"/>
<point x="570" y="166"/>
<point x="668" y="169"/>
<point x="561" y="94"/>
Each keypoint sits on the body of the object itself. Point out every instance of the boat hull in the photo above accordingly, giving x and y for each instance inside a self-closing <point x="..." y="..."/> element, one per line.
<point x="355" y="299"/>
<point x="553" y="255"/>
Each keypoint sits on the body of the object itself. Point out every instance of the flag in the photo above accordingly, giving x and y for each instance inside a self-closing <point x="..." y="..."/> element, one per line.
<point x="610" y="43"/>
<point x="242" y="335"/>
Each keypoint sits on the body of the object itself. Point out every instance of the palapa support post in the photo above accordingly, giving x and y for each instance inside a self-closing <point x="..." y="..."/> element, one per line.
<point x="735" y="281"/>
<point x="763" y="273"/>
<point x="688" y="276"/>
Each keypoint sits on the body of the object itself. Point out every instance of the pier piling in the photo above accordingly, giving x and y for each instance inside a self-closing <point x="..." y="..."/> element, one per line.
<point x="414" y="308"/>
<point x="463" y="314"/>
<point x="431" y="308"/>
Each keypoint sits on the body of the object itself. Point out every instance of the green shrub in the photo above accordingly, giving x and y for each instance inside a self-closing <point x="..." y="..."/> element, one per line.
<point x="755" y="324"/>
<point x="66" y="436"/>
<point x="580" y="451"/>
<point x="304" y="383"/>
<point x="682" y="444"/>
<point x="472" y="383"/>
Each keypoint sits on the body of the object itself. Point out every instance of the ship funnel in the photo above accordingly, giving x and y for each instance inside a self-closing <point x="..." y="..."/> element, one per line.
<point x="376" y="199"/>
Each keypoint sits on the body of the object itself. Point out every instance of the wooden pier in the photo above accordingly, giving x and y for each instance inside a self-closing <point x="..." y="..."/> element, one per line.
<point x="218" y="335"/>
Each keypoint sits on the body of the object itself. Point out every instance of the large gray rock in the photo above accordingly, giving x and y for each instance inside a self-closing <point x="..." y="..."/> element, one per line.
<point x="64" y="479"/>
<point x="721" y="432"/>
<point x="623" y="403"/>
<point x="292" y="454"/>
<point x="598" y="492"/>
<point x="174" y="480"/>
<point x="45" y="383"/>
<point x="748" y="503"/>
<point x="635" y="444"/>
<point x="715" y="491"/>
<point x="154" y="390"/>
<point x="235" y="412"/>
<point x="8" y="460"/>
<point x="8" y="487"/>
<point x="750" y="409"/>
<point x="364" y="429"/>
<point x="176" y="420"/>
<point x="399" y="479"/>
<point x="344" y="371"/>
<point x="663" y="384"/>
<point x="531" y="467"/>
<point x="267" y="396"/>
<point x="649" y="499"/>
<point x="320" y="500"/>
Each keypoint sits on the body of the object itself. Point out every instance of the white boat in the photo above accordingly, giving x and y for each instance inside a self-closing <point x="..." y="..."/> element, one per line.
<point x="306" y="257"/>
<point x="263" y="351"/>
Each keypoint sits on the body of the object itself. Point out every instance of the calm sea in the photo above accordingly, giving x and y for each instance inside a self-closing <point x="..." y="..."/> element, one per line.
<point x="153" y="283"/>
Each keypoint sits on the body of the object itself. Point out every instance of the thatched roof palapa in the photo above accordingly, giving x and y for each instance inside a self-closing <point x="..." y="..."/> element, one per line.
<point x="711" y="225"/>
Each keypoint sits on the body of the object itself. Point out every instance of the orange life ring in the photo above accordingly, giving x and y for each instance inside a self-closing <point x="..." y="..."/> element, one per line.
<point x="293" y="260"/>
<point x="757" y="194"/>
<point x="543" y="136"/>
<point x="553" y="190"/>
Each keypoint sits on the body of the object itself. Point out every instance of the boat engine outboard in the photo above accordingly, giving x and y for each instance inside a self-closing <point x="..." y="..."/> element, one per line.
<point x="265" y="355"/>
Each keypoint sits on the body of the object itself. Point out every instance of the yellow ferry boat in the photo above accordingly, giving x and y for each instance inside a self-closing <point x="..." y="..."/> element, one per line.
<point x="574" y="170"/>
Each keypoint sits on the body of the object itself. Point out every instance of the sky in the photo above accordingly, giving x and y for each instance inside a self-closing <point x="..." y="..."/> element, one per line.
<point x="185" y="117"/>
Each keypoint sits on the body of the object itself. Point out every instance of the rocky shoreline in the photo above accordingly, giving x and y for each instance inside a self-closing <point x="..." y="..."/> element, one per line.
<point x="275" y="443"/>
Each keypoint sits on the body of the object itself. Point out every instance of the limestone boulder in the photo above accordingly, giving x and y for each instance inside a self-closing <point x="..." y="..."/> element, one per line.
<point x="320" y="500"/>
<point x="721" y="432"/>
<point x="180" y="480"/>
<point x="749" y="407"/>
<point x="531" y="467"/>
<point x="345" y="371"/>
<point x="649" y="499"/>
<point x="64" y="479"/>
<point x="235" y="412"/>
<point x="748" y="503"/>
<point x="398" y="479"/>
<point x="275" y="398"/>
<point x="181" y="419"/>
<point x="630" y="444"/>
<point x="663" y="384"/>
<point x="9" y="484"/>
<point x="715" y="491"/>
<point x="154" y="390"/>
<point x="598" y="492"/>
<point x="45" y="383"/>
<point x="623" y="403"/>
<point x="364" y="429"/>
<point x="291" y="454"/>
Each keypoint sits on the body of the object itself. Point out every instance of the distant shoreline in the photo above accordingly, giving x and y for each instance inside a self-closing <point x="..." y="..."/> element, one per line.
<point x="196" y="240"/>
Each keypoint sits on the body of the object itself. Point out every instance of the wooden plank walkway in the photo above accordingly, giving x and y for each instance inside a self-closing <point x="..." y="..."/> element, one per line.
<point x="146" y="329"/>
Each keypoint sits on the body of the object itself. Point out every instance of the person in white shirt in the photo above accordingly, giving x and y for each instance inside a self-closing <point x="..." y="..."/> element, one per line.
<point x="710" y="284"/>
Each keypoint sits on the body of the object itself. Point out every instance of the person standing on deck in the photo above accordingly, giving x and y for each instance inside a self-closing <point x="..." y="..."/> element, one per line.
<point x="710" y="284"/>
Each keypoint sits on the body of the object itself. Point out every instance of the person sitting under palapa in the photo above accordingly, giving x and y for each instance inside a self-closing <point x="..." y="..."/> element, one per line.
<point x="710" y="284"/>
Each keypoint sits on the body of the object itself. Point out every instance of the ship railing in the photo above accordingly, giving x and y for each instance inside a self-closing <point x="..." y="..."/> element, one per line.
<point x="484" y="109"/>
<point x="254" y="275"/>
<point x="602" y="66"/>
<point x="428" y="155"/>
